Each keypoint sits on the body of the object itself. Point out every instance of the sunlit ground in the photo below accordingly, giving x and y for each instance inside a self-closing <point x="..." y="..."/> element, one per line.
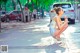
<point x="67" y="38"/>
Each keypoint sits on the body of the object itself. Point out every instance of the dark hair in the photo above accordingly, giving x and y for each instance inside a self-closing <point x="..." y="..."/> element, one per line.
<point x="51" y="10"/>
<point x="57" y="9"/>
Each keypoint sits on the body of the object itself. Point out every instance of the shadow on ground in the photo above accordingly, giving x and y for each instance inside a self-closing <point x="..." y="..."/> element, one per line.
<point x="55" y="48"/>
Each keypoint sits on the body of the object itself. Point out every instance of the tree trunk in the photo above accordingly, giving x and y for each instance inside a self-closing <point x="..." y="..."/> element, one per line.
<point x="0" y="24"/>
<point x="5" y="6"/>
<point x="32" y="4"/>
<point x="0" y="6"/>
<point x="22" y="18"/>
<point x="28" y="3"/>
<point x="14" y="4"/>
<point x="0" y="19"/>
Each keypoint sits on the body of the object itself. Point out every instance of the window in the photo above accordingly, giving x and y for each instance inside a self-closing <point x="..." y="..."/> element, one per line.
<point x="62" y="5"/>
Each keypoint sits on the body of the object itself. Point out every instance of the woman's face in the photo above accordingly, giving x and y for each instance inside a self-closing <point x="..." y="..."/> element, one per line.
<point x="61" y="11"/>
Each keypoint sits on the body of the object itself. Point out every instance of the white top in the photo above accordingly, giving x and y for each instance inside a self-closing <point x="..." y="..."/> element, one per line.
<point x="53" y="23"/>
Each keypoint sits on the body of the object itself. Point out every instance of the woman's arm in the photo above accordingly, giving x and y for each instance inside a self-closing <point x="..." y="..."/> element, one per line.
<point x="64" y="26"/>
<point x="66" y="20"/>
<point x="59" y="23"/>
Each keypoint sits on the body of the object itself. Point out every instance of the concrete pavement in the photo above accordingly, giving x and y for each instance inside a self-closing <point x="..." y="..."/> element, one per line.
<point x="34" y="37"/>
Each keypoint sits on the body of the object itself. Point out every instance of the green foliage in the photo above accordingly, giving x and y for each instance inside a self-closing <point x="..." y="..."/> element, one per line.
<point x="37" y="4"/>
<point x="3" y="1"/>
<point x="23" y="2"/>
<point x="43" y="4"/>
<point x="3" y="4"/>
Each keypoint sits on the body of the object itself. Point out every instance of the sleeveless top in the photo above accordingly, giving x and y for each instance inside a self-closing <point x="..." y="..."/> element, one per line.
<point x="53" y="22"/>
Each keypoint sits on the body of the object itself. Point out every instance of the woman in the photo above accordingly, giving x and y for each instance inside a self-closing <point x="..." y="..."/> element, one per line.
<point x="56" y="25"/>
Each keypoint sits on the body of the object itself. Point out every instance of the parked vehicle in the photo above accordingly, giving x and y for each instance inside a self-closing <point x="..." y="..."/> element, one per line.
<point x="39" y="14"/>
<point x="68" y="11"/>
<point x="14" y="15"/>
<point x="3" y="16"/>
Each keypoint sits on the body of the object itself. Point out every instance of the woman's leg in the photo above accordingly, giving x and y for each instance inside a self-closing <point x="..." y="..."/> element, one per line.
<point x="58" y="32"/>
<point x="62" y="30"/>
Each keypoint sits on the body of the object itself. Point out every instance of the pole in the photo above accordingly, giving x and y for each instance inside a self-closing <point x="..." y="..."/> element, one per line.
<point x="0" y="24"/>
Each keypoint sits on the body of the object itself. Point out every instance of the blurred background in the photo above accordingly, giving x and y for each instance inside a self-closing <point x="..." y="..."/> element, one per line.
<point x="24" y="25"/>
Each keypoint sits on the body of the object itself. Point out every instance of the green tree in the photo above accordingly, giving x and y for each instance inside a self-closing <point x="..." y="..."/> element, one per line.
<point x="0" y="4"/>
<point x="14" y="4"/>
<point x="3" y="2"/>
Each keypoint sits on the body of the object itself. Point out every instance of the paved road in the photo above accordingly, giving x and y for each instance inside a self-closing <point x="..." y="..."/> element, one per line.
<point x="34" y="37"/>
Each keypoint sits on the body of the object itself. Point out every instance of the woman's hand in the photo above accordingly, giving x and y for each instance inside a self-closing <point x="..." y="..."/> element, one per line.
<point x="66" y="19"/>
